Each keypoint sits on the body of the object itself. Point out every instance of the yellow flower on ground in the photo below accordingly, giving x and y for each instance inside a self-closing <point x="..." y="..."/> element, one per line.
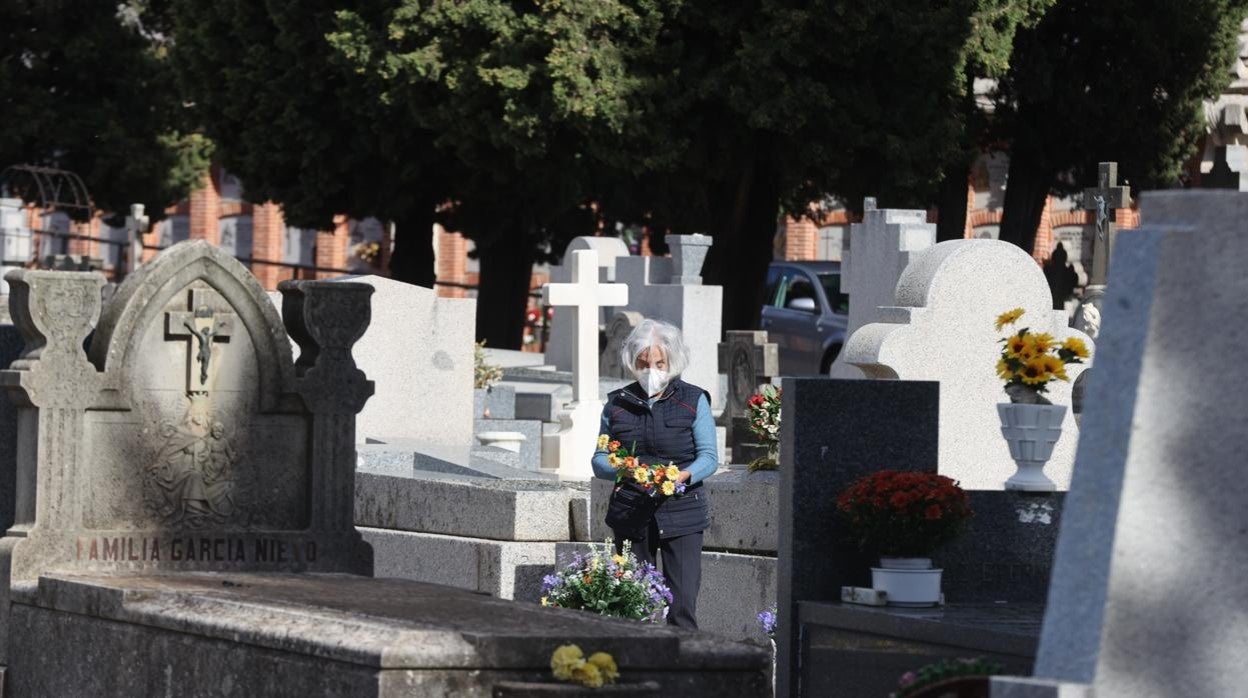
<point x="672" y="472"/>
<point x="669" y="488"/>
<point x="603" y="440"/>
<point x="1035" y="371"/>
<point x="565" y="660"/>
<point x="587" y="675"/>
<point x="1008" y="318"/>
<point x="606" y="665"/>
<point x="1055" y="366"/>
<point x="545" y="600"/>
<point x="641" y="474"/>
<point x="1075" y="346"/>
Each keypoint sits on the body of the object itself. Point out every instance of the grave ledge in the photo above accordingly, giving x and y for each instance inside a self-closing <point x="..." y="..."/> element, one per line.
<point x="976" y="627"/>
<point x="377" y="623"/>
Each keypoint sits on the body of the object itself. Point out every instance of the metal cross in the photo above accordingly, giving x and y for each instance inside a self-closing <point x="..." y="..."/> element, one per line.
<point x="201" y="325"/>
<point x="1105" y="199"/>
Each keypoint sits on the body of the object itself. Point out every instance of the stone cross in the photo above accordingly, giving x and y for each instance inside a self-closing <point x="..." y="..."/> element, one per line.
<point x="1105" y="199"/>
<point x="567" y="451"/>
<point x="202" y="326"/>
<point x="585" y="295"/>
<point x="1230" y="169"/>
<point x="874" y="253"/>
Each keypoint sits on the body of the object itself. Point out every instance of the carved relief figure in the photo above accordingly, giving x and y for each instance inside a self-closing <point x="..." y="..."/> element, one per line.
<point x="190" y="482"/>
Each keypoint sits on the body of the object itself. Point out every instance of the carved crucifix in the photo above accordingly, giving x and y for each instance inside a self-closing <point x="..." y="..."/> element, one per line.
<point x="202" y="326"/>
<point x="1105" y="200"/>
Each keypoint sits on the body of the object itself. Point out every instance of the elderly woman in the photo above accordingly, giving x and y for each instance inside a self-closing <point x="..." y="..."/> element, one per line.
<point x="665" y="420"/>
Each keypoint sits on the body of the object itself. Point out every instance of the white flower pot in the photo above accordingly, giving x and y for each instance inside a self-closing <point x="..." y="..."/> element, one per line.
<point x="908" y="581"/>
<point x="1031" y="431"/>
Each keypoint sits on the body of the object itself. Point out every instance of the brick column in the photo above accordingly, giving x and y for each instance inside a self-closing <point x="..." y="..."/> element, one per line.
<point x="970" y="205"/>
<point x="1126" y="218"/>
<point x="87" y="248"/>
<point x="206" y="211"/>
<point x="800" y="238"/>
<point x="1044" y="233"/>
<point x="452" y="262"/>
<point x="268" y="228"/>
<point x="331" y="247"/>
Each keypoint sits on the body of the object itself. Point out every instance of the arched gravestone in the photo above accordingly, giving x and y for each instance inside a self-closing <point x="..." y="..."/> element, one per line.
<point x="186" y="438"/>
<point x="941" y="329"/>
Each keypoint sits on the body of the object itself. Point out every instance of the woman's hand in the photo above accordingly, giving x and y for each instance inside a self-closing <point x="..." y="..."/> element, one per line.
<point x="684" y="476"/>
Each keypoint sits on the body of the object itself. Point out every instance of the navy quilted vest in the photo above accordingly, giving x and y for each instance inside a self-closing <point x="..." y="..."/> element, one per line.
<point x="663" y="433"/>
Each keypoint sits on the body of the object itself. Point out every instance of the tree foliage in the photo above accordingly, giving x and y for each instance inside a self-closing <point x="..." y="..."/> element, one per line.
<point x="533" y="105"/>
<point x="302" y="129"/>
<point x="1100" y="80"/>
<point x="765" y="106"/>
<point x="90" y="90"/>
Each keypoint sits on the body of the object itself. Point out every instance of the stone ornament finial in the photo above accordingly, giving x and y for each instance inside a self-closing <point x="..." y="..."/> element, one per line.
<point x="54" y="311"/>
<point x="326" y="319"/>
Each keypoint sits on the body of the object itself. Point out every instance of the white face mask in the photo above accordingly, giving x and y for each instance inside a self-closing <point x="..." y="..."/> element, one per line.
<point x="652" y="380"/>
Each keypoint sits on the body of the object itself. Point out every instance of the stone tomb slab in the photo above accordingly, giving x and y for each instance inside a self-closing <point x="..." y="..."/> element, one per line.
<point x="330" y="635"/>
<point x="854" y="651"/>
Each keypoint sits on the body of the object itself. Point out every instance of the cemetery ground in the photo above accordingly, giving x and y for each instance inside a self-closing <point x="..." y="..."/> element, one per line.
<point x="210" y="490"/>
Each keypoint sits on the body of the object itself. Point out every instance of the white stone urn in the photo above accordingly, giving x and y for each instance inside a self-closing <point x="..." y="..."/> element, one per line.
<point x="909" y="582"/>
<point x="1031" y="431"/>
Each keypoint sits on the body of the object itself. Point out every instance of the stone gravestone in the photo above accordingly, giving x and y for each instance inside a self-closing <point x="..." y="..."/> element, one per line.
<point x="749" y="361"/>
<point x="671" y="289"/>
<point x="1230" y="169"/>
<point x="873" y="256"/>
<point x="941" y="328"/>
<point x="662" y="288"/>
<point x="995" y="574"/>
<point x="569" y="450"/>
<point x="419" y="352"/>
<point x="621" y="325"/>
<point x="819" y="457"/>
<point x="1147" y="597"/>
<point x="184" y="484"/>
<point x="188" y="438"/>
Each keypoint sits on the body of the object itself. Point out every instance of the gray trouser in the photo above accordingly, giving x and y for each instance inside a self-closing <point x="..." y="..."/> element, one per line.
<point x="681" y="567"/>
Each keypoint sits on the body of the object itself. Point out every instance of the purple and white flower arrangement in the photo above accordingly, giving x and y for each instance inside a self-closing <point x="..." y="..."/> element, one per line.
<point x="610" y="584"/>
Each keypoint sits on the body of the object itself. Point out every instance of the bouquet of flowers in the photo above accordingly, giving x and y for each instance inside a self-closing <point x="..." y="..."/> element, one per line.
<point x="904" y="514"/>
<point x="609" y="584"/>
<point x="1030" y="360"/>
<point x="654" y="479"/>
<point x="764" y="419"/>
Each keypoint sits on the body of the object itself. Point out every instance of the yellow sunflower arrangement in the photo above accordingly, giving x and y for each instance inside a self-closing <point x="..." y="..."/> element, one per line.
<point x="1030" y="360"/>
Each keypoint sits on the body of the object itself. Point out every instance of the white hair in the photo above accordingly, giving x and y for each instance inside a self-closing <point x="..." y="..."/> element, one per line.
<point x="656" y="333"/>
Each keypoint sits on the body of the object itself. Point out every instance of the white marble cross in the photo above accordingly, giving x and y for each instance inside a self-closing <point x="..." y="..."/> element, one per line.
<point x="585" y="295"/>
<point x="568" y="451"/>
